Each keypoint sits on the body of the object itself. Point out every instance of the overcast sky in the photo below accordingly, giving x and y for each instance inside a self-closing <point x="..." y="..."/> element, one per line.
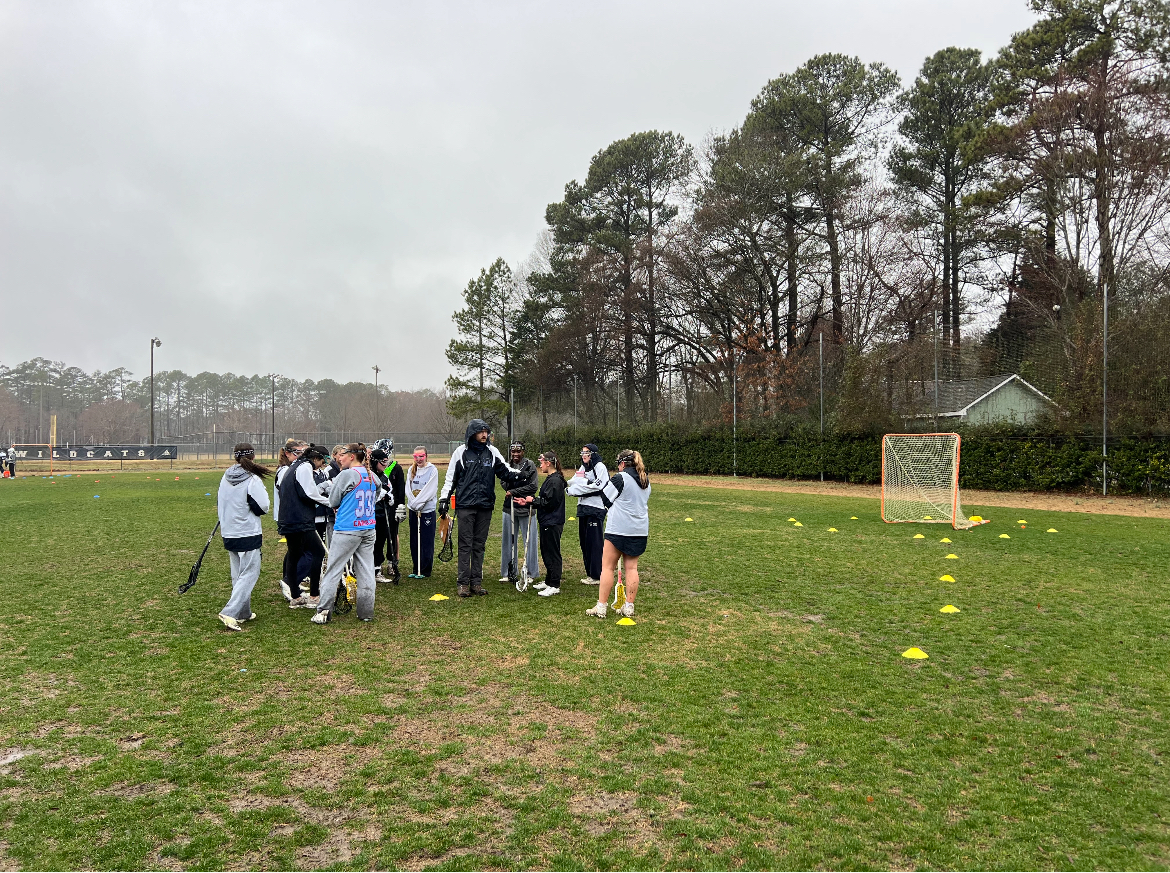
<point x="306" y="188"/>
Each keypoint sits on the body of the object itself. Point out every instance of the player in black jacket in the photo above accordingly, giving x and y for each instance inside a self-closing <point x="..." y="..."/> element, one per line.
<point x="550" y="508"/>
<point x="471" y="476"/>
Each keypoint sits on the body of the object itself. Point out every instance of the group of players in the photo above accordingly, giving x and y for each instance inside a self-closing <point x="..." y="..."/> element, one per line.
<point x="341" y="510"/>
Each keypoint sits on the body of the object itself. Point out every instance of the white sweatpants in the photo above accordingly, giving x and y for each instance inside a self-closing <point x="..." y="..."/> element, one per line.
<point x="245" y="573"/>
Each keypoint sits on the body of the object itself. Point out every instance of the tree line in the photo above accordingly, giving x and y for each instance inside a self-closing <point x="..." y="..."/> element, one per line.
<point x="113" y="406"/>
<point x="985" y="219"/>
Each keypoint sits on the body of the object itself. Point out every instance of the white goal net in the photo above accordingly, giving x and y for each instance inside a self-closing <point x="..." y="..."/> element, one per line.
<point x="920" y="479"/>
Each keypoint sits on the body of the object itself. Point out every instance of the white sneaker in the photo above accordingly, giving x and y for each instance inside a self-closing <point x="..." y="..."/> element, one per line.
<point x="538" y="586"/>
<point x="588" y="581"/>
<point x="229" y="622"/>
<point x="286" y="591"/>
<point x="548" y="591"/>
<point x="599" y="611"/>
<point x="505" y="579"/>
<point x="320" y="618"/>
<point x="251" y="617"/>
<point x="627" y="610"/>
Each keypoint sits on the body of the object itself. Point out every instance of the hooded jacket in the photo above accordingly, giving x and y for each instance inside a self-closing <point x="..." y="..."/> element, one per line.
<point x="473" y="469"/>
<point x="526" y="487"/>
<point x="242" y="499"/>
<point x="586" y="485"/>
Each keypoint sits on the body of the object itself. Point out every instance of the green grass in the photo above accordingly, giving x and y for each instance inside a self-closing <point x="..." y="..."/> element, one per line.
<point x="759" y="715"/>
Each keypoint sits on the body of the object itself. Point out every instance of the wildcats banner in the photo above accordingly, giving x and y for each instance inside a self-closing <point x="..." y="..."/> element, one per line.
<point x="97" y="453"/>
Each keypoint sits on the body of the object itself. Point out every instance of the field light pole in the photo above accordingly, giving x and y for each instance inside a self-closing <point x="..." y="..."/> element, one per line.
<point x="155" y="342"/>
<point x="272" y="379"/>
<point x="1105" y="390"/>
<point x="377" y="407"/>
<point x="574" y="406"/>
<point x="821" y="370"/>
<point x="734" y="418"/>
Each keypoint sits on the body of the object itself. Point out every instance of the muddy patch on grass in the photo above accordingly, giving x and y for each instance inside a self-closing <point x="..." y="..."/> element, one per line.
<point x="73" y="762"/>
<point x="324" y="769"/>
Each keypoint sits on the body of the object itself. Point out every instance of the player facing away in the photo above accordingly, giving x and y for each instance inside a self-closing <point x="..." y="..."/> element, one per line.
<point x="627" y="528"/>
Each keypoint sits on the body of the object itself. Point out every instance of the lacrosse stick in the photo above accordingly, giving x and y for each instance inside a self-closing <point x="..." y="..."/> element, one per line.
<point x="512" y="577"/>
<point x="619" y="590"/>
<point x="193" y="577"/>
<point x="447" y="532"/>
<point x="523" y="578"/>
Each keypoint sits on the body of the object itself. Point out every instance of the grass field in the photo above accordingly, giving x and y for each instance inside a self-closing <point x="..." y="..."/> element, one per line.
<point x="759" y="715"/>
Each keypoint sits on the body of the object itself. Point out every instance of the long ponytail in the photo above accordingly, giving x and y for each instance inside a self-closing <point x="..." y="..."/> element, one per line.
<point x="629" y="456"/>
<point x="243" y="454"/>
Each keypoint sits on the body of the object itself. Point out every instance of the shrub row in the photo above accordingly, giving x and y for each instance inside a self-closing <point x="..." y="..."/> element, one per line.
<point x="993" y="458"/>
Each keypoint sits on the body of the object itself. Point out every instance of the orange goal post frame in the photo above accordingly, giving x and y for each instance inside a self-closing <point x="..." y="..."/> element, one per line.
<point x="956" y="510"/>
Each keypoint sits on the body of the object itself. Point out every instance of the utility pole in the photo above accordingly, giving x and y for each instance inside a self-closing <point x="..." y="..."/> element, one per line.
<point x="1105" y="389"/>
<point x="734" y="417"/>
<point x="377" y="407"/>
<point x="934" y="324"/>
<point x="511" y="417"/>
<point x="574" y="406"/>
<point x="821" y="368"/>
<point x="272" y="379"/>
<point x="155" y="342"/>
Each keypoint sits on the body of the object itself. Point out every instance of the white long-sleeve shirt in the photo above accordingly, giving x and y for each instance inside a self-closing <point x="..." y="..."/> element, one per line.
<point x="586" y="486"/>
<point x="426" y="482"/>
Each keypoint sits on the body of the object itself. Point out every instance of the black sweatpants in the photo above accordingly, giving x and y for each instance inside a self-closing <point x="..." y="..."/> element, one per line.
<point x="422" y="542"/>
<point x="550" y="552"/>
<point x="591" y="531"/>
<point x="474" y="524"/>
<point x="306" y="553"/>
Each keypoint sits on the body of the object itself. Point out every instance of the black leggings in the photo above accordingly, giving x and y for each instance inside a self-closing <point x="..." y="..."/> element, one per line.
<point x="550" y="551"/>
<point x="305" y="553"/>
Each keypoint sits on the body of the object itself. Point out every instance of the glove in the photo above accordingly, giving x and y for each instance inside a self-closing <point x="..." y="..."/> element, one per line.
<point x="400" y="512"/>
<point x="325" y="487"/>
<point x="444" y="506"/>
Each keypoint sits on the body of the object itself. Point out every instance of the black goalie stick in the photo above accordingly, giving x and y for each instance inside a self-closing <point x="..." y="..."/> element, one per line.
<point x="194" y="575"/>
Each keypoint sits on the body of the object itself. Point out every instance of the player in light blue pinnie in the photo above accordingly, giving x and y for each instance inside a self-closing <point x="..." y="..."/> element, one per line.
<point x="353" y="495"/>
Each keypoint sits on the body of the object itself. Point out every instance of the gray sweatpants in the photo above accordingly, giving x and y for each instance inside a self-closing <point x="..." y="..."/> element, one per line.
<point x="526" y="526"/>
<point x="245" y="573"/>
<point x="360" y="547"/>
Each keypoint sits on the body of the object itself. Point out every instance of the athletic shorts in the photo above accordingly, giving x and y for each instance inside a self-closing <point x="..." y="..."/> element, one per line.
<point x="630" y="546"/>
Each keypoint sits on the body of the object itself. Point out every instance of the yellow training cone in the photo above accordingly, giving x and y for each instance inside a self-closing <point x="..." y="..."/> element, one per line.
<point x="1053" y="530"/>
<point x="1004" y="537"/>
<point x="792" y="519"/>
<point x="688" y="518"/>
<point x="440" y="597"/>
<point x="947" y="578"/>
<point x="853" y="518"/>
<point x="945" y="540"/>
<point x="949" y="608"/>
<point x="798" y="524"/>
<point x="832" y="530"/>
<point x="919" y="536"/>
<point x="977" y="518"/>
<point x="927" y="518"/>
<point x="1021" y="521"/>
<point x="572" y="518"/>
<point x="952" y="557"/>
<point x="626" y="621"/>
<point x="915" y="653"/>
<point x="282" y="540"/>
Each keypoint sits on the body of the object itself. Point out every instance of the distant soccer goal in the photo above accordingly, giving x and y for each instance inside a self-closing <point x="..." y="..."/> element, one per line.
<point x="920" y="479"/>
